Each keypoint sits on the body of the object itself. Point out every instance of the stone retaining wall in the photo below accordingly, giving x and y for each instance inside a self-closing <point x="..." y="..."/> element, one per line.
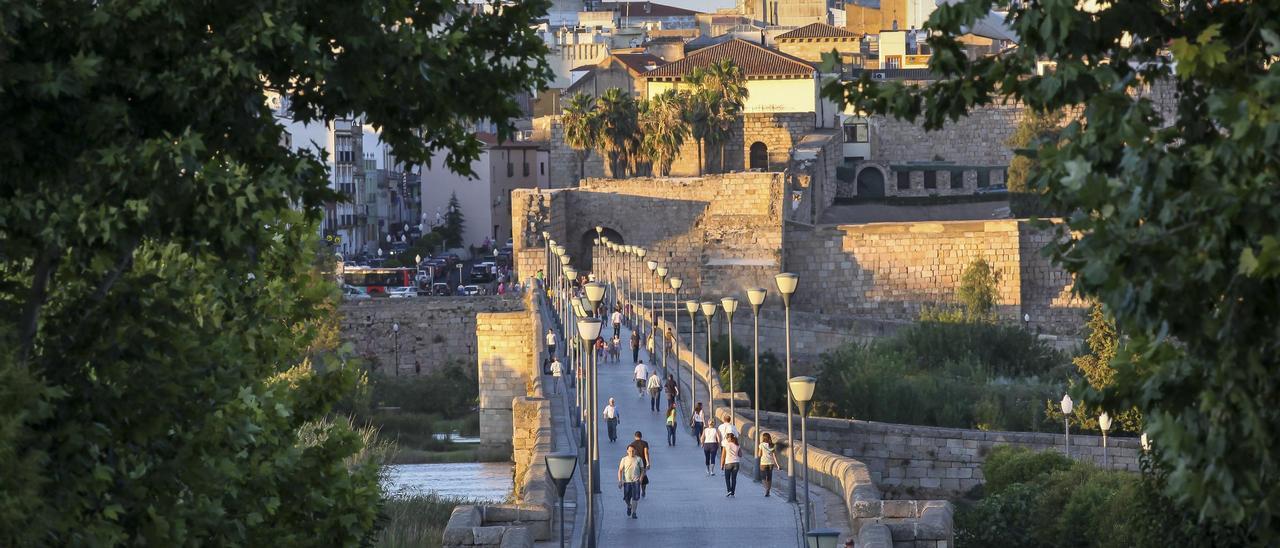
<point x="434" y="331"/>
<point x="507" y="362"/>
<point x="914" y="461"/>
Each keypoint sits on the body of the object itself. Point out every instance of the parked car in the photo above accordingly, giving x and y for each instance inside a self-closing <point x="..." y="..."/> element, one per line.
<point x="402" y="292"/>
<point x="441" y="290"/>
<point x="472" y="290"/>
<point x="353" y="293"/>
<point x="480" y="273"/>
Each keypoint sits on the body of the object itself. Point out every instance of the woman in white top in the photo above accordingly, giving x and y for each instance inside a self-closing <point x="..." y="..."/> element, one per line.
<point x="768" y="461"/>
<point x="730" y="456"/>
<point x="710" y="446"/>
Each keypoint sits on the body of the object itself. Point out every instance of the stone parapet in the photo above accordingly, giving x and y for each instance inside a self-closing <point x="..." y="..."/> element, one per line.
<point x="507" y="364"/>
<point x="434" y="331"/>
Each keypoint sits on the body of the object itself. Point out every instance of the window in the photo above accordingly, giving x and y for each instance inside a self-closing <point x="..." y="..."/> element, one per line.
<point x="542" y="168"/>
<point x="526" y="169"/>
<point x="858" y="132"/>
<point x="931" y="179"/>
<point x="893" y="61"/>
<point x="984" y="178"/>
<point x="511" y="169"/>
<point x="957" y="179"/>
<point x="904" y="180"/>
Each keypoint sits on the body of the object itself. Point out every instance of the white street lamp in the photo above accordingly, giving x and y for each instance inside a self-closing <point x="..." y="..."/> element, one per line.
<point x="756" y="297"/>
<point x="730" y="305"/>
<point x="1145" y="442"/>
<point x="589" y="330"/>
<point x="653" y="271"/>
<point x="1067" y="406"/>
<point x="661" y="342"/>
<point x="709" y="311"/>
<point x="676" y="284"/>
<point x="787" y="283"/>
<point x="560" y="466"/>
<point x="692" y="307"/>
<point x="802" y="390"/>
<point x="1104" y="422"/>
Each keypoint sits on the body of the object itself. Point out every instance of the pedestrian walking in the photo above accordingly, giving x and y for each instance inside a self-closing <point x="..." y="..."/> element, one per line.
<point x="710" y="447"/>
<point x="556" y="371"/>
<point x="768" y="460"/>
<point x="630" y="474"/>
<point x="673" y="390"/>
<point x="730" y="456"/>
<point x="551" y="345"/>
<point x="727" y="428"/>
<point x="601" y="350"/>
<point x="615" y="349"/>
<point x="670" y="344"/>
<point x="696" y="422"/>
<point x="611" y="419"/>
<point x="616" y="320"/>
<point x="671" y="426"/>
<point x="655" y="392"/>
<point x="641" y="376"/>
<point x="635" y="347"/>
<point x="642" y="451"/>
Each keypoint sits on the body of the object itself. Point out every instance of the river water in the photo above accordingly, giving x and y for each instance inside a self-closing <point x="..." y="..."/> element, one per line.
<point x="487" y="481"/>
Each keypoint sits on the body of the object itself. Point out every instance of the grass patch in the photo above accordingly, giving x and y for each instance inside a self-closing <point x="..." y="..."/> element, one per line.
<point x="417" y="521"/>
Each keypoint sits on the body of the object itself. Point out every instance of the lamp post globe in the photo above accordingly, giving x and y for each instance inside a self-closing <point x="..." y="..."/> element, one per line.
<point x="1067" y="406"/>
<point x="1104" y="423"/>
<point x="560" y="468"/>
<point x="730" y="305"/>
<point x="824" y="537"/>
<point x="802" y="388"/>
<point x="787" y="283"/>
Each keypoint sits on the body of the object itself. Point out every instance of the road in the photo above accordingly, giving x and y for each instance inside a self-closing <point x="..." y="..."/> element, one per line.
<point x="684" y="506"/>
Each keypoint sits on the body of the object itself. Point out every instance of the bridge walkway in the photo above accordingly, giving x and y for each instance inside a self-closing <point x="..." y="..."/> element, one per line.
<point x="684" y="506"/>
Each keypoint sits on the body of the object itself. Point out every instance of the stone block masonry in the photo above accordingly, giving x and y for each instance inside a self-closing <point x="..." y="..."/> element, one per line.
<point x="507" y="362"/>
<point x="434" y="331"/>
<point x="907" y="461"/>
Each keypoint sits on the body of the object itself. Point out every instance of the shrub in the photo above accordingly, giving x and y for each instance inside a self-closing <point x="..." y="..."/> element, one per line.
<point x="1005" y="519"/>
<point x="1006" y="350"/>
<point x="773" y="393"/>
<point x="1008" y="465"/>
<point x="451" y="391"/>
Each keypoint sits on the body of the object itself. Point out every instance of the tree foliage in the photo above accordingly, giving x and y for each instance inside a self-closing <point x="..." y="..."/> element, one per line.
<point x="161" y="355"/>
<point x="977" y="291"/>
<point x="663" y="130"/>
<point x="1170" y="199"/>
<point x="619" y="129"/>
<point x="581" y="128"/>
<point x="454" y="224"/>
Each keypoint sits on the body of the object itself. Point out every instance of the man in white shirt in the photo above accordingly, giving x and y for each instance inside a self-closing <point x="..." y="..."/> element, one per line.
<point x="616" y="318"/>
<point x="611" y="419"/>
<point x="727" y="428"/>
<point x="641" y="376"/>
<point x="654" y="384"/>
<point x="551" y="345"/>
<point x="556" y="371"/>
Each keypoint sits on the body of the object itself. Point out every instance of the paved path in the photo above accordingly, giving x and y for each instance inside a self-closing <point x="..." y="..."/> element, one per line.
<point x="684" y="506"/>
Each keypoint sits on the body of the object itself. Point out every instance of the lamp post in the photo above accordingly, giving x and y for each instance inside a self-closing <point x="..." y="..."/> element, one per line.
<point x="676" y="284"/>
<point x="395" y="334"/>
<point x="640" y="253"/>
<point x="653" y="272"/>
<point x="546" y="245"/>
<point x="661" y="342"/>
<point x="692" y="307"/>
<point x="822" y="538"/>
<point x="1104" y="422"/>
<point x="786" y="286"/>
<point x="595" y="293"/>
<point x="564" y="286"/>
<point x="1067" y="406"/>
<point x="1145" y="442"/>
<point x="730" y="304"/>
<point x="756" y="297"/>
<point x="802" y="391"/>
<point x="560" y="466"/>
<point x="594" y="250"/>
<point x="588" y="330"/>
<point x="709" y="311"/>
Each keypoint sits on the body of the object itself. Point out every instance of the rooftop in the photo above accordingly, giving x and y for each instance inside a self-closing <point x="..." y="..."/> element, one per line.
<point x="755" y="61"/>
<point x="817" y="30"/>
<point x="647" y="9"/>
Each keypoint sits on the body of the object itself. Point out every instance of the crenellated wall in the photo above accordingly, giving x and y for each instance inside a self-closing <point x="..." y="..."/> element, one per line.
<point x="434" y="331"/>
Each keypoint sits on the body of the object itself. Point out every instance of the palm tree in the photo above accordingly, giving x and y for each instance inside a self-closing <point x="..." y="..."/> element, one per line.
<point x="664" y="129"/>
<point x="581" y="128"/>
<point x="699" y="104"/>
<point x="725" y="80"/>
<point x="618" y="128"/>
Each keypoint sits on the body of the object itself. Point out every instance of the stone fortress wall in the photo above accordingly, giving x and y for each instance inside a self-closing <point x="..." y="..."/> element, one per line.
<point x="434" y="331"/>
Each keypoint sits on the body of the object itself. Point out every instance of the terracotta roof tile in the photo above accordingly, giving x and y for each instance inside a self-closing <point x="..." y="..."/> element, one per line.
<point x="817" y="30"/>
<point x="639" y="62"/>
<point x="754" y="60"/>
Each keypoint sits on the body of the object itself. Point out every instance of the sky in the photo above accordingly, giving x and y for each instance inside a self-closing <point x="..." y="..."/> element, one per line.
<point x="708" y="6"/>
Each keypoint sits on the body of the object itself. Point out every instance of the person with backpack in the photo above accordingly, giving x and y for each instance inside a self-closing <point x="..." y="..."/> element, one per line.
<point x="768" y="460"/>
<point x="642" y="451"/>
<point x="655" y="391"/>
<point x="671" y="426"/>
<point x="673" y="390"/>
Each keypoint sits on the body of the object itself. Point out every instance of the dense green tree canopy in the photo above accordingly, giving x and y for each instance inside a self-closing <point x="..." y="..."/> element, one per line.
<point x="1173" y="204"/>
<point x="156" y="252"/>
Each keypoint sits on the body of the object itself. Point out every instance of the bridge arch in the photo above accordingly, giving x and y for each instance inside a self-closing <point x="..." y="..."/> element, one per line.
<point x="587" y="243"/>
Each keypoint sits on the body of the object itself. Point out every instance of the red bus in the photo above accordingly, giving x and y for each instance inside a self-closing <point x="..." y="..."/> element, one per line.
<point x="376" y="281"/>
